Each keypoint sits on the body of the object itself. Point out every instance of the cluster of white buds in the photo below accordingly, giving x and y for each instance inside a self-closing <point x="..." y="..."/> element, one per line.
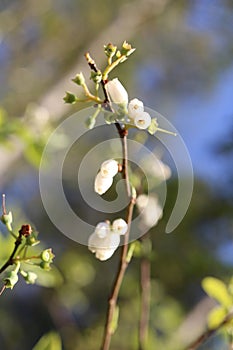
<point x="104" y="178"/>
<point x="106" y="238"/>
<point x="118" y="94"/>
<point x="141" y="119"/>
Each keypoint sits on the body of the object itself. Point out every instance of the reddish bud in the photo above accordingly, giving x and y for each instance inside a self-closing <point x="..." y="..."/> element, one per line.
<point x="25" y="230"/>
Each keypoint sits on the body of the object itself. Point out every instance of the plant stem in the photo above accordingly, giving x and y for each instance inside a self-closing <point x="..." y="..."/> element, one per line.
<point x="118" y="281"/>
<point x="206" y="335"/>
<point x="124" y="261"/>
<point x="123" y="133"/>
<point x="145" y="297"/>
<point x="109" y="68"/>
<point x="93" y="66"/>
<point x="10" y="261"/>
<point x="2" y="290"/>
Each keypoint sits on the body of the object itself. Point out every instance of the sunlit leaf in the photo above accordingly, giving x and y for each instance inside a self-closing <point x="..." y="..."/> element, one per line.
<point x="216" y="316"/>
<point x="217" y="289"/>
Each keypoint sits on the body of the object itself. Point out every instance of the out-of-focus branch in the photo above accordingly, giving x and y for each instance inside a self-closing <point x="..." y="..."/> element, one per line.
<point x="127" y="23"/>
<point x="207" y="334"/>
<point x="194" y="324"/>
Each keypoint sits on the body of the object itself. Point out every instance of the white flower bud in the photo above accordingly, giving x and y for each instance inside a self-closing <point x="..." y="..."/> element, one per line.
<point x="102" y="229"/>
<point x="135" y="108"/>
<point x="150" y="209"/>
<point x="102" y="184"/>
<point x="109" y="168"/>
<point x="103" y="247"/>
<point x="119" y="226"/>
<point x="159" y="170"/>
<point x="143" y="120"/>
<point x="116" y="91"/>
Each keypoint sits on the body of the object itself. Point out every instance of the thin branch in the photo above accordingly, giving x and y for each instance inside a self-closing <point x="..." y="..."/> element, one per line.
<point x="118" y="281"/>
<point x="10" y="261"/>
<point x="2" y="290"/>
<point x="124" y="262"/>
<point x="145" y="300"/>
<point x="93" y="67"/>
<point x="123" y="133"/>
<point x="206" y="335"/>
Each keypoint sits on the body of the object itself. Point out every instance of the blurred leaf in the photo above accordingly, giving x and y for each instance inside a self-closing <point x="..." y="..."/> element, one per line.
<point x="33" y="152"/>
<point x="49" y="279"/>
<point x="217" y="289"/>
<point x="49" y="341"/>
<point x="216" y="316"/>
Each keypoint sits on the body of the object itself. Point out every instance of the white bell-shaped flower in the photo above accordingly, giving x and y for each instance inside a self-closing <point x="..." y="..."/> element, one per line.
<point x="119" y="226"/>
<point x="135" y="108"/>
<point x="143" y="120"/>
<point x="102" y="184"/>
<point x="102" y="229"/>
<point x="116" y="91"/>
<point x="109" y="168"/>
<point x="103" y="247"/>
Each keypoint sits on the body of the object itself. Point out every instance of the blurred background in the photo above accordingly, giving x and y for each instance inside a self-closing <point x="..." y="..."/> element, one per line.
<point x="183" y="68"/>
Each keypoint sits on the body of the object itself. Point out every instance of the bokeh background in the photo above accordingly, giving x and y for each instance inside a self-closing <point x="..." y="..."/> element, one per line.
<point x="183" y="68"/>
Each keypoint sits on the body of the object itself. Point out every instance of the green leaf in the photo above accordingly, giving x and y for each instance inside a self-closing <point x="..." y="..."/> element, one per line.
<point x="216" y="316"/>
<point x="217" y="289"/>
<point x="49" y="279"/>
<point x="49" y="341"/>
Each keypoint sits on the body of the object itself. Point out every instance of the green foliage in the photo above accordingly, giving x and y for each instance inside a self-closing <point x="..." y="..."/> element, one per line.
<point x="218" y="290"/>
<point x="49" y="341"/>
<point x="18" y="260"/>
<point x="216" y="317"/>
<point x="222" y="293"/>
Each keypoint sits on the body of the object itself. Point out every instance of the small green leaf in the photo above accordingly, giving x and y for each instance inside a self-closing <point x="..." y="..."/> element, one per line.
<point x="217" y="289"/>
<point x="216" y="316"/>
<point x="114" y="323"/>
<point x="49" y="341"/>
<point x="130" y="252"/>
<point x="137" y="249"/>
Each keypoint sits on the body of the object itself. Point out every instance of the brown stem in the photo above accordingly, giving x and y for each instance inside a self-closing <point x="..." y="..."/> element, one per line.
<point x="206" y="335"/>
<point x="93" y="67"/>
<point x="123" y="262"/>
<point x="2" y="290"/>
<point x="145" y="302"/>
<point x="118" y="281"/>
